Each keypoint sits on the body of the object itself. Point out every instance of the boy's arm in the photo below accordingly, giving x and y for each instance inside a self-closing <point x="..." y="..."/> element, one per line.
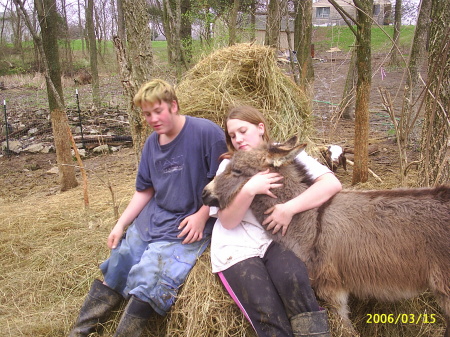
<point x="137" y="203"/>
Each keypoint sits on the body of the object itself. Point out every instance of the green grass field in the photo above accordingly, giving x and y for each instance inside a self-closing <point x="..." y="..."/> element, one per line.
<point x="323" y="38"/>
<point x="343" y="38"/>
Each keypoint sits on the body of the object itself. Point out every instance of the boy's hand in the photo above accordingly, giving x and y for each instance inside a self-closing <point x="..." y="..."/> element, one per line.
<point x="192" y="227"/>
<point x="115" y="236"/>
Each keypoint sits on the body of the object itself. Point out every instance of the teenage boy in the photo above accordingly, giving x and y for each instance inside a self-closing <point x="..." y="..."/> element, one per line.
<point x="168" y="227"/>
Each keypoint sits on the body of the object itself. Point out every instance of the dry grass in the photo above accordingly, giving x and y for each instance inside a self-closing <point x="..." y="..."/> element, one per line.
<point x="51" y="246"/>
<point x="246" y="74"/>
<point x="31" y="81"/>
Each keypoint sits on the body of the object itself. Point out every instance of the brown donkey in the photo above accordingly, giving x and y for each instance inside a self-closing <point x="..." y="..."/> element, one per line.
<point x="383" y="244"/>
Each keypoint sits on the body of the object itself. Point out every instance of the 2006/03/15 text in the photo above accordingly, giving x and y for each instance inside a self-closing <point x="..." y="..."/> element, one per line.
<point x="401" y="318"/>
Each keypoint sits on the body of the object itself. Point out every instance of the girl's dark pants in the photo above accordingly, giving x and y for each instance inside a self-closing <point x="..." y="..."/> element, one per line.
<point x="271" y="290"/>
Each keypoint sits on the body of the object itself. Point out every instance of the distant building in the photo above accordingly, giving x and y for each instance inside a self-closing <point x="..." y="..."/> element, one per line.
<point x="260" y="30"/>
<point x="7" y="29"/>
<point x="324" y="14"/>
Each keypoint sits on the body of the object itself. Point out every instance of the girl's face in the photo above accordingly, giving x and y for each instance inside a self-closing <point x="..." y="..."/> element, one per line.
<point x="244" y="135"/>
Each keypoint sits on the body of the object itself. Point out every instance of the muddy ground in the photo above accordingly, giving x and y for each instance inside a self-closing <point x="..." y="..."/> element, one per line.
<point x="27" y="174"/>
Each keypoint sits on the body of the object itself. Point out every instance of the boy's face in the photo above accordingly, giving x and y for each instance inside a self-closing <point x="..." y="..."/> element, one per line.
<point x="160" y="116"/>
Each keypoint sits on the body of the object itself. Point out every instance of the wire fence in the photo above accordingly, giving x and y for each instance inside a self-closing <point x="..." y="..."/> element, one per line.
<point x="29" y="129"/>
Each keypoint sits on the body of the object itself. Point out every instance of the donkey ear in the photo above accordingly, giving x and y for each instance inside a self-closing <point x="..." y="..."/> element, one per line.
<point x="278" y="156"/>
<point x="290" y="143"/>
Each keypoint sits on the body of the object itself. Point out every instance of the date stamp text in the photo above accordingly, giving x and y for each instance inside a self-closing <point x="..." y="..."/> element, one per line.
<point x="400" y="318"/>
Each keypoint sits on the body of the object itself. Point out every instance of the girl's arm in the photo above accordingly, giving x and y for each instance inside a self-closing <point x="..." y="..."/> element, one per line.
<point x="323" y="188"/>
<point x="137" y="203"/>
<point x="260" y="183"/>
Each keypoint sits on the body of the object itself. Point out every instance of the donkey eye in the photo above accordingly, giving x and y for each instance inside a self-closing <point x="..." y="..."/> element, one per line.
<point x="236" y="172"/>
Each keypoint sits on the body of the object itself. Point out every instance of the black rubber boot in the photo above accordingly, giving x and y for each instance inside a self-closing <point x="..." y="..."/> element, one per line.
<point x="97" y="306"/>
<point x="134" y="318"/>
<point x="311" y="324"/>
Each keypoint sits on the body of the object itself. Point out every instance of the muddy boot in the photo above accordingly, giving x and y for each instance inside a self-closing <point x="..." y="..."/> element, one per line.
<point x="134" y="318"/>
<point x="97" y="306"/>
<point x="311" y="324"/>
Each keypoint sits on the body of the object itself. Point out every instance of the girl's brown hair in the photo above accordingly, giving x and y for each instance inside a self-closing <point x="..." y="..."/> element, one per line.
<point x="248" y="114"/>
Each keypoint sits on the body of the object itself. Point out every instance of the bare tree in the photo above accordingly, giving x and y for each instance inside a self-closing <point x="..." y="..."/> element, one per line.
<point x="120" y="21"/>
<point x="233" y="22"/>
<point x="273" y="23"/>
<point x="50" y="59"/>
<point x="302" y="42"/>
<point x="362" y="33"/>
<point x="80" y="27"/>
<point x="68" y="48"/>
<point x="347" y="104"/>
<point x="435" y="158"/>
<point x="16" y="25"/>
<point x="172" y="29"/>
<point x="413" y="97"/>
<point x="93" y="53"/>
<point x="417" y="59"/>
<point x="186" y="29"/>
<point x="136" y="64"/>
<point x="395" y="57"/>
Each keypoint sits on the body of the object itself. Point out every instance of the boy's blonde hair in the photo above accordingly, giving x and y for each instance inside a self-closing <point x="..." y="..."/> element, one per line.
<point x="155" y="91"/>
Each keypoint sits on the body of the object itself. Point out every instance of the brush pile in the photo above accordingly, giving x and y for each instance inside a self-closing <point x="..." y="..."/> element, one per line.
<point x="246" y="74"/>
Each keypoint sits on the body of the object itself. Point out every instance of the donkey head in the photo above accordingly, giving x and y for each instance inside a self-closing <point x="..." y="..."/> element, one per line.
<point x="244" y="165"/>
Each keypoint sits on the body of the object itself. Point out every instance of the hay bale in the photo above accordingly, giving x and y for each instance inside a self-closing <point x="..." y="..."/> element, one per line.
<point x="204" y="308"/>
<point x="246" y="74"/>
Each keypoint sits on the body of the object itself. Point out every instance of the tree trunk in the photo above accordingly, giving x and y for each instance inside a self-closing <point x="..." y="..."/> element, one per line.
<point x="414" y="87"/>
<point x="233" y="22"/>
<point x="80" y="27"/>
<point x="93" y="53"/>
<point x="172" y="8"/>
<point x="347" y="105"/>
<point x="48" y="47"/>
<point x="68" y="48"/>
<point x="16" y="25"/>
<point x="302" y="43"/>
<point x="364" y="68"/>
<point x="395" y="56"/>
<point x="435" y="160"/>
<point x="186" y="30"/>
<point x="253" y="20"/>
<point x="136" y="62"/>
<point x="168" y="34"/>
<point x="273" y="22"/>
<point x="121" y="22"/>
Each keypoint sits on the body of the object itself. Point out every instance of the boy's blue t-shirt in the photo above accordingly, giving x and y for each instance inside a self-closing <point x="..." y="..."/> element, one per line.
<point x="178" y="172"/>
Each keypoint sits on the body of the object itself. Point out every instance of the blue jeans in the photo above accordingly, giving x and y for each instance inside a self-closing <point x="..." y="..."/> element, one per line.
<point x="151" y="271"/>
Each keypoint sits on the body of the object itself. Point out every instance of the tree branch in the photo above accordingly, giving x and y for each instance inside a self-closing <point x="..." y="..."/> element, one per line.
<point x="345" y="16"/>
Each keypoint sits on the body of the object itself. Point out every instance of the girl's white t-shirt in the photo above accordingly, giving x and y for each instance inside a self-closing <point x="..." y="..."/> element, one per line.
<point x="249" y="238"/>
